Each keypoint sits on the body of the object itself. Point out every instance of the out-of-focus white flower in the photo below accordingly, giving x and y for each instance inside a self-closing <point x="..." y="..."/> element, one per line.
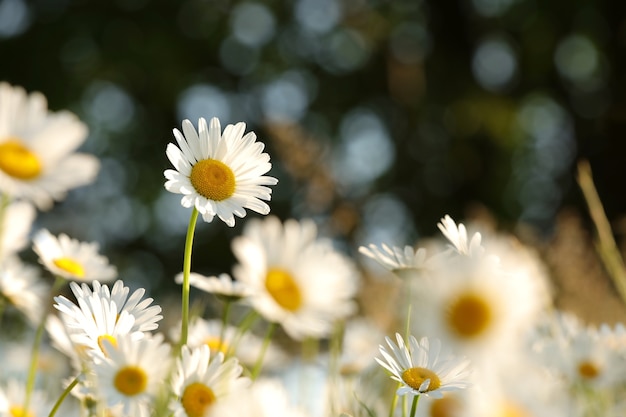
<point x="13" y="395"/>
<point x="403" y="262"/>
<point x="223" y="286"/>
<point x="22" y="287"/>
<point x="296" y="279"/>
<point x="17" y="221"/>
<point x="457" y="235"/>
<point x="37" y="158"/>
<point x="220" y="174"/>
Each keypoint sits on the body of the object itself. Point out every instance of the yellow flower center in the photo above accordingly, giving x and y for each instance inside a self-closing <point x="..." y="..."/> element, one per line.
<point x="213" y="179"/>
<point x="131" y="380"/>
<point x="469" y="315"/>
<point x="108" y="338"/>
<point x="19" y="162"/>
<point x="196" y="399"/>
<point x="282" y="287"/>
<point x="216" y="345"/>
<point x="415" y="377"/>
<point x="447" y="406"/>
<point x="588" y="370"/>
<point x="18" y="411"/>
<point x="509" y="409"/>
<point x="70" y="266"/>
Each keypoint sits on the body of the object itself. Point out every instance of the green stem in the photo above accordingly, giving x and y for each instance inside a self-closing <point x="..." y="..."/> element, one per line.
<point x="266" y="342"/>
<point x="414" y="405"/>
<point x="186" y="271"/>
<point x="407" y="329"/>
<point x="310" y="349"/>
<point x="242" y="328"/>
<point x="34" y="357"/>
<point x="225" y="316"/>
<point x="62" y="397"/>
<point x="394" y="401"/>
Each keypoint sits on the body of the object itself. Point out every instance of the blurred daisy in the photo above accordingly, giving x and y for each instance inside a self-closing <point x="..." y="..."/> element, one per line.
<point x="265" y="398"/>
<point x="223" y="286"/>
<point x="400" y="261"/>
<point x="219" y="174"/>
<point x="457" y="235"/>
<point x="421" y="368"/>
<point x="21" y="286"/>
<point x="296" y="279"/>
<point x="72" y="259"/>
<point x="94" y="320"/>
<point x="132" y="373"/>
<point x="17" y="220"/>
<point x="37" y="159"/>
<point x="13" y="395"/>
<point x="360" y="340"/>
<point x="201" y="381"/>
<point x="145" y="316"/>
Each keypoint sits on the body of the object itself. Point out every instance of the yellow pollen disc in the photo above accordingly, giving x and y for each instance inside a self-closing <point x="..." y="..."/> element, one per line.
<point x="511" y="410"/>
<point x="196" y="399"/>
<point x="588" y="370"/>
<point x="18" y="411"/>
<point x="70" y="266"/>
<point x="215" y="345"/>
<point x="469" y="315"/>
<point x="447" y="406"/>
<point x="213" y="179"/>
<point x="415" y="377"/>
<point x="109" y="338"/>
<point x="131" y="380"/>
<point x="282" y="287"/>
<point x="17" y="161"/>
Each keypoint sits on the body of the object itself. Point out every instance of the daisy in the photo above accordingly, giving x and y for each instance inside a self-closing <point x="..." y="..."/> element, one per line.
<point x="457" y="235"/>
<point x="219" y="174"/>
<point x="201" y="381"/>
<point x="400" y="261"/>
<point x="223" y="286"/>
<point x="145" y="316"/>
<point x="360" y="340"/>
<point x="22" y="287"/>
<point x="37" y="158"/>
<point x="17" y="220"/>
<point x="72" y="259"/>
<point x="296" y="279"/>
<point x="132" y="373"/>
<point x="13" y="395"/>
<point x="421" y="367"/>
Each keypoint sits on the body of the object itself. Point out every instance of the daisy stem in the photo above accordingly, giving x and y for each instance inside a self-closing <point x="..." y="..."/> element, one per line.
<point x="65" y="393"/>
<point x="225" y="315"/>
<point x="407" y="329"/>
<point x="34" y="356"/>
<point x="266" y="343"/>
<point x="243" y="327"/>
<point x="394" y="401"/>
<point x="186" y="271"/>
<point x="414" y="405"/>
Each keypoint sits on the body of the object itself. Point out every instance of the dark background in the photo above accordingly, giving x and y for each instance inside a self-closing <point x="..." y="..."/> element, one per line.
<point x="380" y="116"/>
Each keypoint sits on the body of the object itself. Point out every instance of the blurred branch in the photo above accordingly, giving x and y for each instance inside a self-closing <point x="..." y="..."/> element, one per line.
<point x="605" y="244"/>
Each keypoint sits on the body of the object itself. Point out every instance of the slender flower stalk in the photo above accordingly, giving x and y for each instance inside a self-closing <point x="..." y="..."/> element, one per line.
<point x="266" y="342"/>
<point x="186" y="271"/>
<point x="225" y="316"/>
<point x="63" y="395"/>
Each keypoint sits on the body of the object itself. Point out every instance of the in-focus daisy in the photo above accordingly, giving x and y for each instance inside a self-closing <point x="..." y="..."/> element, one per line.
<point x="223" y="286"/>
<point x="37" y="158"/>
<point x="202" y="381"/>
<point x="132" y="373"/>
<point x="72" y="259"/>
<point x="422" y="368"/>
<point x="22" y="287"/>
<point x="297" y="280"/>
<point x="220" y="174"/>
<point x="401" y="261"/>
<point x="17" y="220"/>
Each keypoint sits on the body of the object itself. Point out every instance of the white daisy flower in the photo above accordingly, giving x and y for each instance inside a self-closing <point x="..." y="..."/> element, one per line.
<point x="201" y="381"/>
<point x="132" y="373"/>
<point x="219" y="174"/>
<point x="94" y="320"/>
<point x="72" y="259"/>
<point x="223" y="286"/>
<point x="265" y="398"/>
<point x="297" y="280"/>
<point x="13" y="395"/>
<point x="37" y="159"/>
<point x="457" y="235"/>
<point x="401" y="261"/>
<point x="22" y="287"/>
<point x="17" y="220"/>
<point x="145" y="316"/>
<point x="422" y="368"/>
<point x="360" y="341"/>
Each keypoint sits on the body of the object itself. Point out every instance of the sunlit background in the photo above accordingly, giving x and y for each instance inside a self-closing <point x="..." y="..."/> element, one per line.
<point x="381" y="116"/>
